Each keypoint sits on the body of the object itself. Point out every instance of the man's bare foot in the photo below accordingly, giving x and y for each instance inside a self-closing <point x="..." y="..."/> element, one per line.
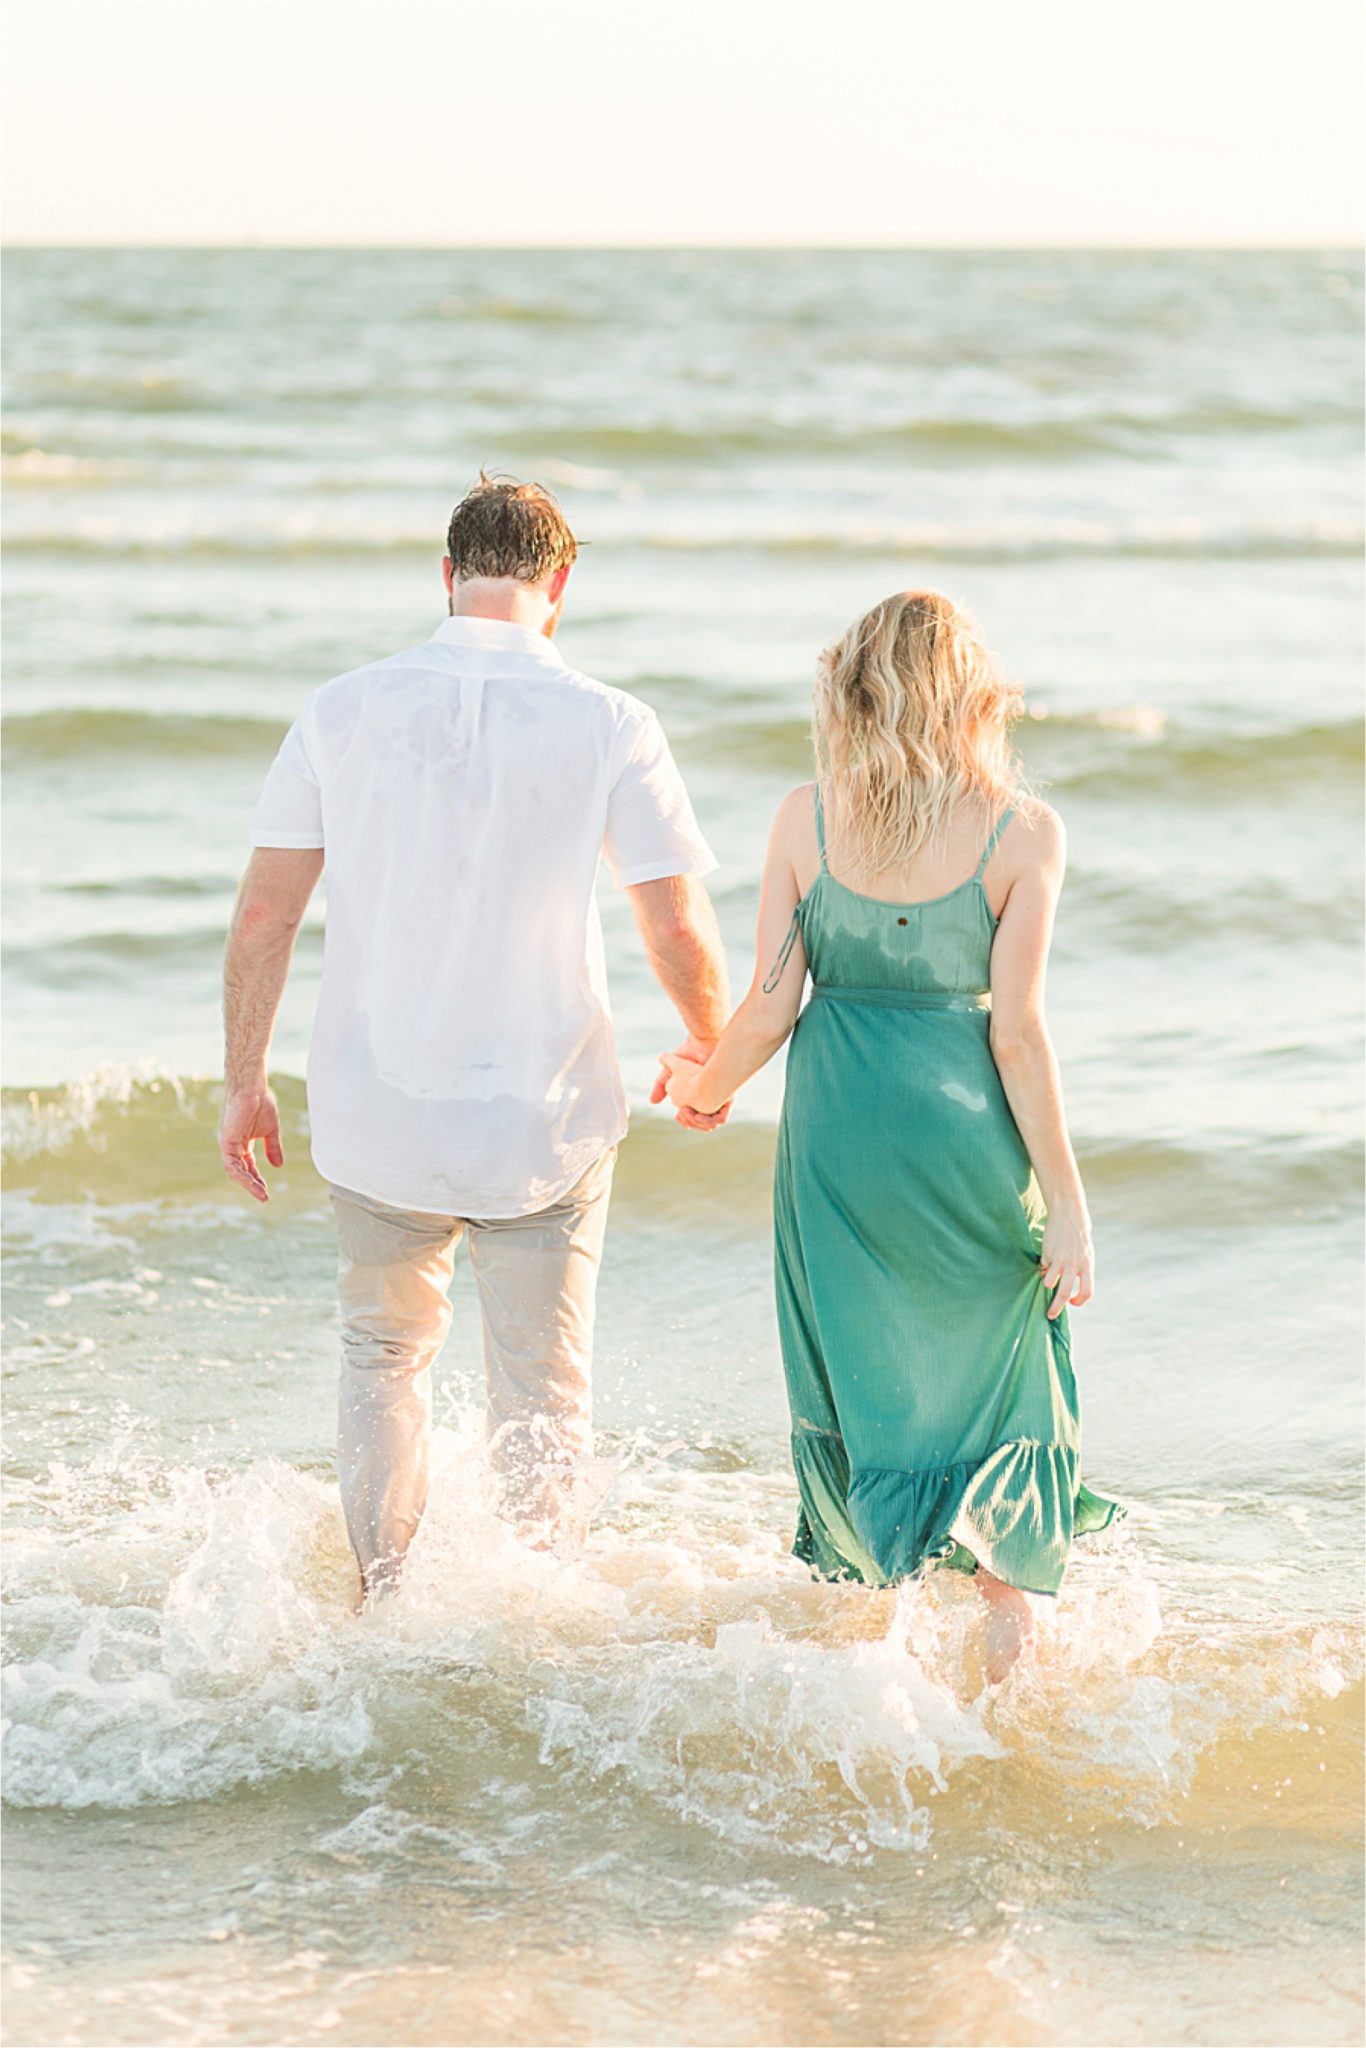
<point x="379" y="1583"/>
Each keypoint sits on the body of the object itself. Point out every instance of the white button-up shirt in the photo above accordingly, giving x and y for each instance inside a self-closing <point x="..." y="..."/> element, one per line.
<point x="462" y="1058"/>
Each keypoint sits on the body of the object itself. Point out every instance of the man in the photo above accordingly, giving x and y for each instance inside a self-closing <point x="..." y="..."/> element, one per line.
<point x="462" y="1077"/>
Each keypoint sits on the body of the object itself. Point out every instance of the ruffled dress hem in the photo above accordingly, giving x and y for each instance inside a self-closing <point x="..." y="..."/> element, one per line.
<point x="1012" y="1513"/>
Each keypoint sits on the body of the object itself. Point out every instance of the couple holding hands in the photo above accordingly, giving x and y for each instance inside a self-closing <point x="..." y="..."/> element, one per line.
<point x="930" y="1225"/>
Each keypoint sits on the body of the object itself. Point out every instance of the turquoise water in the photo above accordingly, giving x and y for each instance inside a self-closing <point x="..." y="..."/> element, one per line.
<point x="663" y="1787"/>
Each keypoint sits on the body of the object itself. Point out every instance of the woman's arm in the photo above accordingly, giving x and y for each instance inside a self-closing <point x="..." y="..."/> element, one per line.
<point x="1028" y="1065"/>
<point x="763" y="1021"/>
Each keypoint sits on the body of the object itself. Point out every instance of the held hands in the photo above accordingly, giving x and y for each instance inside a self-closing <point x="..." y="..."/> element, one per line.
<point x="250" y="1113"/>
<point x="1068" y="1262"/>
<point x="679" y="1070"/>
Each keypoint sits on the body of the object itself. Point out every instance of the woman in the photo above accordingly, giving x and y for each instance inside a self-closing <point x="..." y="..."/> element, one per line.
<point x="931" y="1226"/>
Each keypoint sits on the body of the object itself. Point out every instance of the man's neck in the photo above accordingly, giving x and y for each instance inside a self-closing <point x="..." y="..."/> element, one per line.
<point x="517" y="604"/>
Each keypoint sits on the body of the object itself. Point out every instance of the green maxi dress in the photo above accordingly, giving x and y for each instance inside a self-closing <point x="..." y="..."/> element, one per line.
<point x="934" y="1410"/>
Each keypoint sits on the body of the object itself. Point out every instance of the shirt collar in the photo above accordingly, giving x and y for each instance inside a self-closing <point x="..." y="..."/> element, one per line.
<point x="503" y="636"/>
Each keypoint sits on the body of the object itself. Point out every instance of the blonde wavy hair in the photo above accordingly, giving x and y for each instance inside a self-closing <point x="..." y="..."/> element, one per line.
<point x="911" y="716"/>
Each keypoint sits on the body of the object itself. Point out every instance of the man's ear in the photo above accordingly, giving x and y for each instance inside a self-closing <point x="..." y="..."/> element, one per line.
<point x="555" y="587"/>
<point x="448" y="575"/>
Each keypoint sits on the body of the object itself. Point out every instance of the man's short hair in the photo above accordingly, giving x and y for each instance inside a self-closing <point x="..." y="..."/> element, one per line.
<point x="503" y="528"/>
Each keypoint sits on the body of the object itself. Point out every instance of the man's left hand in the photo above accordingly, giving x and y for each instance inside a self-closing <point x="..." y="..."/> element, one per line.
<point x="700" y="1050"/>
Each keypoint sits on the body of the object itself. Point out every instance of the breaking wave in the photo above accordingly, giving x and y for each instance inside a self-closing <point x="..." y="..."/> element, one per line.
<point x="180" y="1634"/>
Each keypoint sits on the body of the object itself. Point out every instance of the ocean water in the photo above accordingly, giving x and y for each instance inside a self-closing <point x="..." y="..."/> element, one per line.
<point x="661" y="1786"/>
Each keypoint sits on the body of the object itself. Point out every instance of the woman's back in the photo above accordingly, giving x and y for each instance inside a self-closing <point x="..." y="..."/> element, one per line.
<point x="938" y="945"/>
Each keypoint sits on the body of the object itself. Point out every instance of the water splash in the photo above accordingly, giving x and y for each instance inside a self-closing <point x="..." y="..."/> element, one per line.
<point x="183" y="1634"/>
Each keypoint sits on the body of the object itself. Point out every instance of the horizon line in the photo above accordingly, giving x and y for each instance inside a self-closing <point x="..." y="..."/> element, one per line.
<point x="1325" y="245"/>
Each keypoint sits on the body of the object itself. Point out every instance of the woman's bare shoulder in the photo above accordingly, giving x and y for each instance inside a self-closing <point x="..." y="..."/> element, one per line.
<point x="794" y="821"/>
<point x="793" y="841"/>
<point x="1041" y="842"/>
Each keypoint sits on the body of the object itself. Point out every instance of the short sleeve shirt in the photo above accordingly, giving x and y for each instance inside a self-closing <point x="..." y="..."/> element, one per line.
<point x="464" y="793"/>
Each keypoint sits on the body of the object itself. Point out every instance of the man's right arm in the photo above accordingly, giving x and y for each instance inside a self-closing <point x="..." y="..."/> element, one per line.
<point x="678" y="924"/>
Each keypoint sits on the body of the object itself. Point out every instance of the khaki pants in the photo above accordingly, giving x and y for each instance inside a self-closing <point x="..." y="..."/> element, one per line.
<point x="536" y="1278"/>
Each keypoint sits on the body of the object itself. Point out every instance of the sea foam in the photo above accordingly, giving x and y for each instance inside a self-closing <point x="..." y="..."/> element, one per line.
<point x="182" y="1635"/>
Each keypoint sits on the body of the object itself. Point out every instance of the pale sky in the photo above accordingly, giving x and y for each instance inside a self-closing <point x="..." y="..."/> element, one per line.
<point x="705" y="122"/>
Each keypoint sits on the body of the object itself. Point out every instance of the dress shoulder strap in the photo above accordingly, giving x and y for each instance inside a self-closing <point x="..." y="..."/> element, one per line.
<point x="990" y="847"/>
<point x="794" y="928"/>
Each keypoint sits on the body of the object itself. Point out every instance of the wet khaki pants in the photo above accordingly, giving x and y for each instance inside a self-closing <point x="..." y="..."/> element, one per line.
<point x="536" y="1278"/>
